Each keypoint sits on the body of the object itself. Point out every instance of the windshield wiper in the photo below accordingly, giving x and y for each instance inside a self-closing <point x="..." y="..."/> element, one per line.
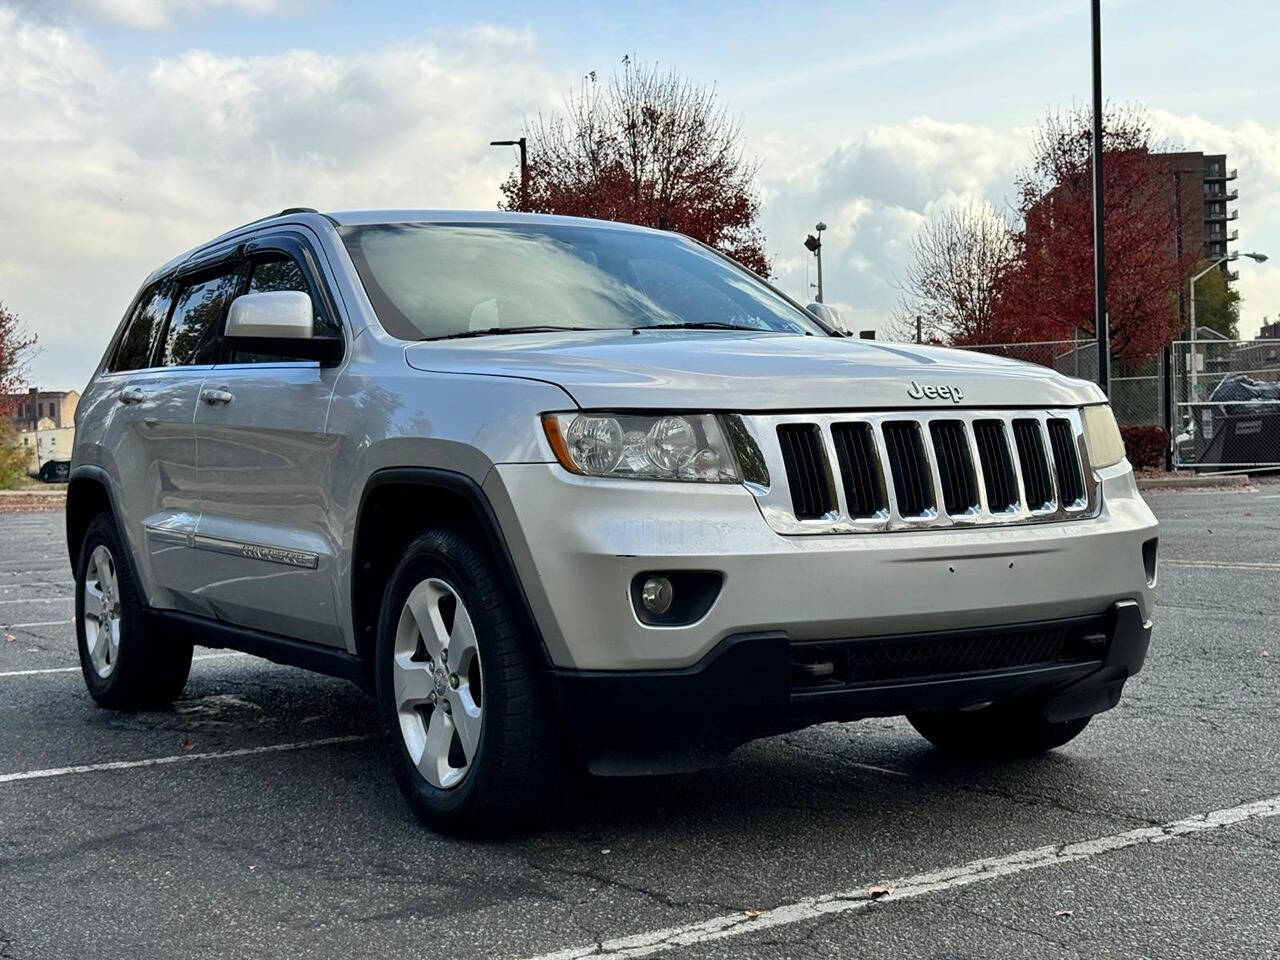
<point x="697" y="325"/>
<point x="493" y="331"/>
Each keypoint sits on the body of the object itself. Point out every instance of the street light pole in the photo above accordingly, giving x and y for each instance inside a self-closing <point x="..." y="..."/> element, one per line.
<point x="1257" y="257"/>
<point x="522" y="143"/>
<point x="814" y="243"/>
<point x="1099" y="253"/>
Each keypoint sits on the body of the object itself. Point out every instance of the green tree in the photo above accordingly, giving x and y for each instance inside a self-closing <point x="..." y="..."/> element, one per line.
<point x="16" y="345"/>
<point x="1217" y="304"/>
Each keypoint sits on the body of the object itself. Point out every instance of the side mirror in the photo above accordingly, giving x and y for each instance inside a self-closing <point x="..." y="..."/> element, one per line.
<point x="830" y="316"/>
<point x="278" y="315"/>
<point x="279" y="322"/>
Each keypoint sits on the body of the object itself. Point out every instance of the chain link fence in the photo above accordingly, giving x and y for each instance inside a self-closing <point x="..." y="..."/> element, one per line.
<point x="1226" y="404"/>
<point x="1137" y="393"/>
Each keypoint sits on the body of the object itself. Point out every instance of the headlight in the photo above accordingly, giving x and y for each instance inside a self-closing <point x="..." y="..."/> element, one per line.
<point x="689" y="446"/>
<point x="1102" y="436"/>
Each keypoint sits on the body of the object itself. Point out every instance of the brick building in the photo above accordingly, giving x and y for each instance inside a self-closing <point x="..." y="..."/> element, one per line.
<point x="30" y="410"/>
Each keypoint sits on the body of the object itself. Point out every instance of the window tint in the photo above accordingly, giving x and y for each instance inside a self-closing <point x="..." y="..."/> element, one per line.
<point x="277" y="273"/>
<point x="139" y="340"/>
<point x="194" y="331"/>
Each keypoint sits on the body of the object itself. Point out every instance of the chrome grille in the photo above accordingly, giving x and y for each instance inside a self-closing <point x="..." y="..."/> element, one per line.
<point x="866" y="472"/>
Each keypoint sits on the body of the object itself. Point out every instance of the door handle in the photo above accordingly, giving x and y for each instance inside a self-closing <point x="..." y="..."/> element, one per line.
<point x="131" y="395"/>
<point x="216" y="396"/>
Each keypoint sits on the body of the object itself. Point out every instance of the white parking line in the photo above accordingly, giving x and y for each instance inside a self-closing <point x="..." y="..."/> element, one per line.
<point x="41" y="600"/>
<point x="38" y="623"/>
<point x="1222" y="565"/>
<point x="977" y="871"/>
<point x="43" y="670"/>
<point x="179" y="758"/>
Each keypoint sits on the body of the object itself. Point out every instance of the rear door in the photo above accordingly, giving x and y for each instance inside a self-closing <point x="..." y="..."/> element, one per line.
<point x="267" y="548"/>
<point x="156" y="374"/>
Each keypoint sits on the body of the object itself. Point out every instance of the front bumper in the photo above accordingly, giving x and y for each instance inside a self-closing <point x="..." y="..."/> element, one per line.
<point x="750" y="686"/>
<point x="577" y="544"/>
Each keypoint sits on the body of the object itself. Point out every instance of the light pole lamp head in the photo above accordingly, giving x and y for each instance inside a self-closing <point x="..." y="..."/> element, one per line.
<point x="1259" y="257"/>
<point x="820" y="226"/>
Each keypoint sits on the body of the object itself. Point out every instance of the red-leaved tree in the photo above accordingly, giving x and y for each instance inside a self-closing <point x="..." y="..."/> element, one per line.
<point x="647" y="147"/>
<point x="1048" y="294"/>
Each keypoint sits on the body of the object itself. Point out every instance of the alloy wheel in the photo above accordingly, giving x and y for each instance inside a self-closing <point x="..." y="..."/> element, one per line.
<point x="437" y="683"/>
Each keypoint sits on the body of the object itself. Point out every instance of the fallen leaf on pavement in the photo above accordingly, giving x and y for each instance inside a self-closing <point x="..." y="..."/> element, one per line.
<point x="877" y="892"/>
<point x="187" y="745"/>
<point x="1064" y="913"/>
<point x="751" y="914"/>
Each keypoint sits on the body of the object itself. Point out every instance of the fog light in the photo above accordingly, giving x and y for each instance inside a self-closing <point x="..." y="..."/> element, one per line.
<point x="657" y="595"/>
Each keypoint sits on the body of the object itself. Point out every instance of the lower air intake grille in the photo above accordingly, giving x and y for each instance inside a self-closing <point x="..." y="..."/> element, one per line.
<point x="828" y="664"/>
<point x="859" y="469"/>
<point x="806" y="467"/>
<point x="911" y="484"/>
<point x="1066" y="461"/>
<point x="1034" y="463"/>
<point x="997" y="465"/>
<point x="955" y="466"/>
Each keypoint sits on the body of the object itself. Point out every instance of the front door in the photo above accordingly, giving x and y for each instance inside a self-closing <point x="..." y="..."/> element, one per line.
<point x="266" y="544"/>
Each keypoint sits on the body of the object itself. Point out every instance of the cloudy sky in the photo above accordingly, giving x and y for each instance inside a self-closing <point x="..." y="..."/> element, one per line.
<point x="131" y="130"/>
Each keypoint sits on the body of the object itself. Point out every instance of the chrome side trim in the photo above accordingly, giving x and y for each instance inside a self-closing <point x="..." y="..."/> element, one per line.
<point x="775" y="500"/>
<point x="238" y="548"/>
<point x="257" y="551"/>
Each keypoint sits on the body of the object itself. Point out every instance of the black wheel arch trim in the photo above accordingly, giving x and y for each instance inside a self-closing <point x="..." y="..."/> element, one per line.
<point x="471" y="491"/>
<point x="89" y="471"/>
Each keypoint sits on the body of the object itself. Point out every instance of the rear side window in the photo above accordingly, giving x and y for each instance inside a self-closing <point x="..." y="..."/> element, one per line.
<point x="195" y="329"/>
<point x="139" y="340"/>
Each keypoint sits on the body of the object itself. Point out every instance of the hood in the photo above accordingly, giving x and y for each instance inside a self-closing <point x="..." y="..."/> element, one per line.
<point x="729" y="370"/>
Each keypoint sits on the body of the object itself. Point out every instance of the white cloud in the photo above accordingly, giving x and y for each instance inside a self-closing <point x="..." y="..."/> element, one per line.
<point x="109" y="172"/>
<point x="874" y="192"/>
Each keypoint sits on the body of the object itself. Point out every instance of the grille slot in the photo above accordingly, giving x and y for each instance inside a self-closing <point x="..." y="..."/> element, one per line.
<point x="910" y="469"/>
<point x="806" y="467"/>
<point x="955" y="466"/>
<point x="997" y="465"/>
<point x="859" y="469"/>
<point x="1034" y="463"/>
<point x="1066" y="461"/>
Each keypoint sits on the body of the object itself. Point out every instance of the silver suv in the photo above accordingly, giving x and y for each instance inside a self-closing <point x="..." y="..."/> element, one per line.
<point x="557" y="489"/>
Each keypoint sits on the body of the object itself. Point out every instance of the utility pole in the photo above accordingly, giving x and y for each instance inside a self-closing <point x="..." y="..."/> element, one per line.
<point x="814" y="244"/>
<point x="1166" y="355"/>
<point x="919" y="330"/>
<point x="1099" y="252"/>
<point x="522" y="143"/>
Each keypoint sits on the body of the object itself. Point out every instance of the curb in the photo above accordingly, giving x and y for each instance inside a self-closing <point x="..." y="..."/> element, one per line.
<point x="1202" y="482"/>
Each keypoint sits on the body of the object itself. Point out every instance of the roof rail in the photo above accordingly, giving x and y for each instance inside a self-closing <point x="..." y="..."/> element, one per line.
<point x="271" y="216"/>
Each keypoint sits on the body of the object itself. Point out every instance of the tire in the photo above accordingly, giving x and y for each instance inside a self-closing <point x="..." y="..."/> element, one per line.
<point x="462" y="713"/>
<point x="1000" y="730"/>
<point x="126" y="666"/>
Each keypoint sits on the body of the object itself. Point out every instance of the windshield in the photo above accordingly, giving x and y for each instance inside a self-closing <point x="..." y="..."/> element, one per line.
<point x="428" y="281"/>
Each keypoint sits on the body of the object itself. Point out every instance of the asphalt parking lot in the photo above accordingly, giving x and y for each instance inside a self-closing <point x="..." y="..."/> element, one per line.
<point x="258" y="819"/>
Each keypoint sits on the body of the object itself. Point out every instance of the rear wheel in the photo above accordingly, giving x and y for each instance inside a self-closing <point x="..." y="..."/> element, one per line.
<point x="462" y="714"/>
<point x="999" y="730"/>
<point x="125" y="665"/>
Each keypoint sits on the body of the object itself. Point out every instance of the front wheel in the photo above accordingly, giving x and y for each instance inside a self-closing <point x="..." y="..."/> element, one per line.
<point x="458" y="696"/>
<point x="995" y="731"/>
